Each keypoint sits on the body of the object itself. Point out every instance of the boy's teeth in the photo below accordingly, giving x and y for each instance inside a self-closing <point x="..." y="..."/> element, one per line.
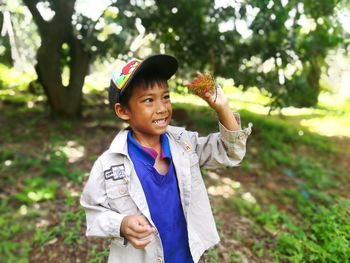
<point x="159" y="121"/>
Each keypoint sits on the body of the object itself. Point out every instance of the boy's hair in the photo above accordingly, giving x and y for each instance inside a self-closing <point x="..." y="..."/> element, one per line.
<point x="154" y="68"/>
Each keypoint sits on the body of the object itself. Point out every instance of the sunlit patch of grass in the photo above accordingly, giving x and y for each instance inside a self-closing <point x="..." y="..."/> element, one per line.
<point x="333" y="118"/>
<point x="10" y="77"/>
<point x="329" y="118"/>
<point x="14" y="87"/>
<point x="252" y="100"/>
<point x="37" y="189"/>
<point x="329" y="125"/>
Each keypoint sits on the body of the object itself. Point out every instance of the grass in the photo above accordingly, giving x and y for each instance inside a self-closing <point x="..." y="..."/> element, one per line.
<point x="40" y="216"/>
<point x="288" y="201"/>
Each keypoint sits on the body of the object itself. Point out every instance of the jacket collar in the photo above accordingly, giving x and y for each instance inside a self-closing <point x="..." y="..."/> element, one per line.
<point x="119" y="143"/>
<point x="148" y="154"/>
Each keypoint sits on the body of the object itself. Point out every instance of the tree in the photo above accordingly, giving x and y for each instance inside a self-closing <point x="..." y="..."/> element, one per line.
<point x="277" y="46"/>
<point x="19" y="39"/>
<point x="296" y="36"/>
<point x="70" y="44"/>
<point x="59" y="43"/>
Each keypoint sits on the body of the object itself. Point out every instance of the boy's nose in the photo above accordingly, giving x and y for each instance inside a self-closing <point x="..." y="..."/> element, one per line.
<point x="161" y="108"/>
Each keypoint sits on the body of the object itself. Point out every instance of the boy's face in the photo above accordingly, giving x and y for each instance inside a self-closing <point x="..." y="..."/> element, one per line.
<point x="149" y="110"/>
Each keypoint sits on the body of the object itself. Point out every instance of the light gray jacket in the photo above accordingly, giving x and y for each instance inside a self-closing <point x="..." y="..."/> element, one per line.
<point x="113" y="190"/>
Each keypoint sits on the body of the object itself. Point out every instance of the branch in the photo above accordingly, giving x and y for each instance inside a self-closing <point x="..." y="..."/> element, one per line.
<point x="64" y="9"/>
<point x="331" y="8"/>
<point x="39" y="20"/>
<point x="91" y="29"/>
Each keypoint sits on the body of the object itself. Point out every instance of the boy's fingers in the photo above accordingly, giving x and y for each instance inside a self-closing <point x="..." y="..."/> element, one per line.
<point x="139" y="235"/>
<point x="199" y="74"/>
<point x="141" y="228"/>
<point x="140" y="243"/>
<point x="134" y="225"/>
<point x="142" y="221"/>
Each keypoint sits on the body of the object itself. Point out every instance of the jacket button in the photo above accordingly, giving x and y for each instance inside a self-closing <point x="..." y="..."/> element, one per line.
<point x="122" y="190"/>
<point x="159" y="260"/>
<point x="155" y="232"/>
<point x="241" y="136"/>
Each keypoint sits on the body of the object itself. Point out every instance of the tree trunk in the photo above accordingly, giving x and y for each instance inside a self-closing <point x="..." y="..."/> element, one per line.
<point x="313" y="79"/>
<point x="63" y="100"/>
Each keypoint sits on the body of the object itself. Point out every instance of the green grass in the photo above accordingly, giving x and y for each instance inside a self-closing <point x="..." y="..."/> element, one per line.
<point x="32" y="177"/>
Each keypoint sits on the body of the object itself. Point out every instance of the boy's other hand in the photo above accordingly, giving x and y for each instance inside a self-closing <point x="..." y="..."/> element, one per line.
<point x="137" y="230"/>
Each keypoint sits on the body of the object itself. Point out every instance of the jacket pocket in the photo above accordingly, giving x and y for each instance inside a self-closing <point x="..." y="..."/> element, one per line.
<point x="119" y="198"/>
<point x="116" y="189"/>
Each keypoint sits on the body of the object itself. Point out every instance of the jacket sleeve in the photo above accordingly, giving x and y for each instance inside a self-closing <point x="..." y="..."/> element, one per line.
<point x="101" y="220"/>
<point x="224" y="148"/>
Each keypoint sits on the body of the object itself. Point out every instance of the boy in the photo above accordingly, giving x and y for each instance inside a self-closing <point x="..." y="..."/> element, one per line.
<point x="146" y="191"/>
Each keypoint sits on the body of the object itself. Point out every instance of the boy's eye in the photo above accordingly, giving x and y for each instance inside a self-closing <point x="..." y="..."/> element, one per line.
<point x="167" y="96"/>
<point x="148" y="100"/>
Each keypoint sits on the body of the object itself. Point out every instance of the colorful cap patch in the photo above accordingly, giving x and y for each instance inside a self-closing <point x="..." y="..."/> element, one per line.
<point x="120" y="77"/>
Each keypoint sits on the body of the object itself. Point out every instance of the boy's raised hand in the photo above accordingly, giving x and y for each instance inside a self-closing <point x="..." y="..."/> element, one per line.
<point x="137" y="230"/>
<point x="218" y="101"/>
<point x="205" y="87"/>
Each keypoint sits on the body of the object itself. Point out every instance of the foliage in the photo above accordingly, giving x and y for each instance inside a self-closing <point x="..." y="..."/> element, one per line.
<point x="70" y="41"/>
<point x="18" y="39"/>
<point x="277" y="46"/>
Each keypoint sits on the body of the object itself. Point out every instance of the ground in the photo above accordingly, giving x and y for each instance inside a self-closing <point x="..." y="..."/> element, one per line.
<point x="43" y="222"/>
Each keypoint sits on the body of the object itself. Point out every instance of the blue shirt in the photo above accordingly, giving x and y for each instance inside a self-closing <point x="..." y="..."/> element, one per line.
<point x="163" y="199"/>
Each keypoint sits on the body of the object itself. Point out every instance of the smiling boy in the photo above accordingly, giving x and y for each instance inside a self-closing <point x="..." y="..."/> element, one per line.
<point x="146" y="191"/>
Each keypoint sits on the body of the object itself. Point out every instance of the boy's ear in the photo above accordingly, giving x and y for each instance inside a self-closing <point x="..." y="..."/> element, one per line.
<point x="121" y="112"/>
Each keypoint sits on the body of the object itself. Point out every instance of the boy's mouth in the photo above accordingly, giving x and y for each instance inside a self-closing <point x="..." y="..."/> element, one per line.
<point x="160" y="122"/>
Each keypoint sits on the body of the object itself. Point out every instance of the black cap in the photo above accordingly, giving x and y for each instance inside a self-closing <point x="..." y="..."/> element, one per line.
<point x="162" y="65"/>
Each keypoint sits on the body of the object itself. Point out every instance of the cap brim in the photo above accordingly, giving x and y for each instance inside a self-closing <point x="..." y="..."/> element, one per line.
<point x="164" y="65"/>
